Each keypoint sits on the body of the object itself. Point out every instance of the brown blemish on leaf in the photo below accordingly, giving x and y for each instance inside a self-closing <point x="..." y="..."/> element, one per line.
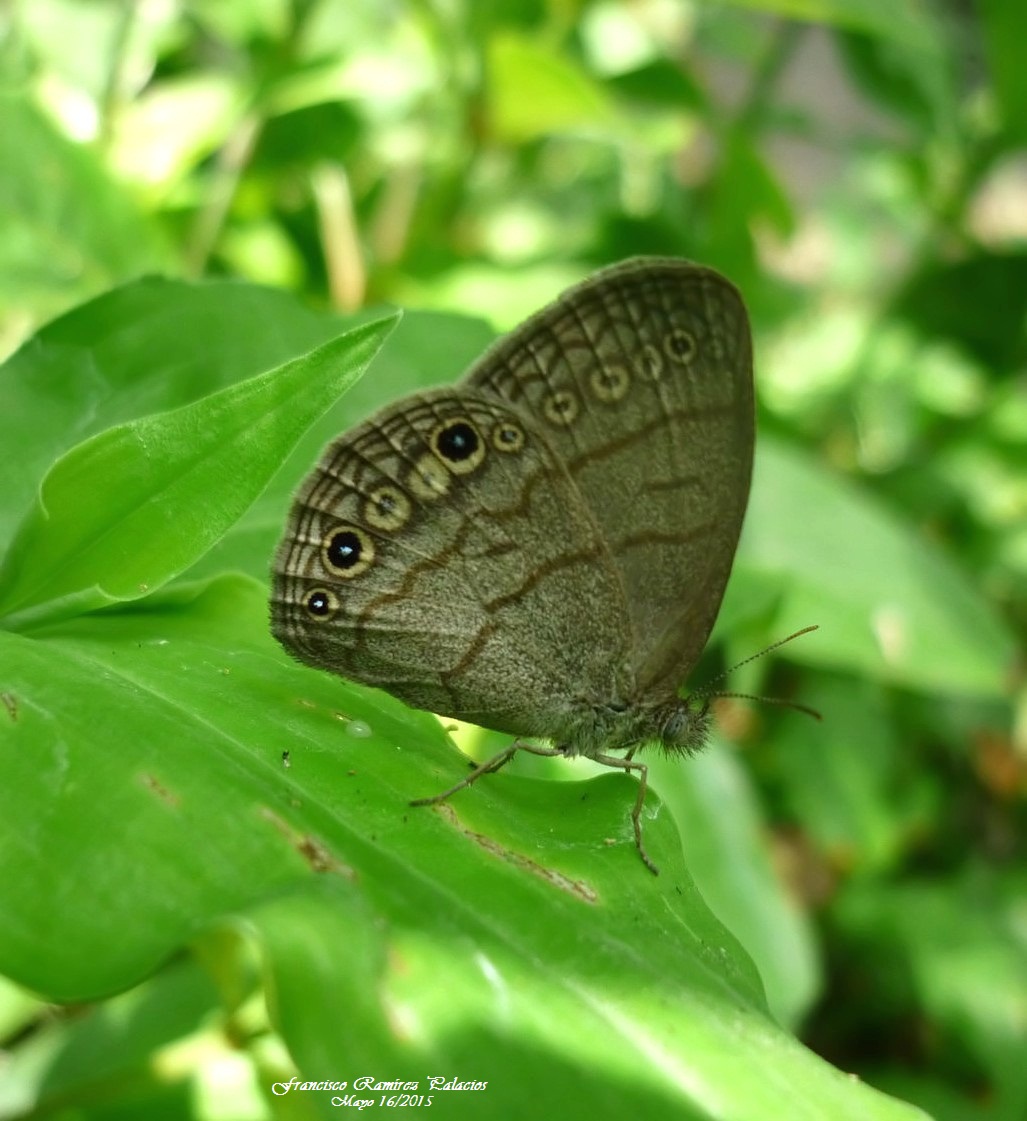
<point x="313" y="850"/>
<point x="162" y="792"/>
<point x="11" y="704"/>
<point x="319" y="858"/>
<point x="557" y="879"/>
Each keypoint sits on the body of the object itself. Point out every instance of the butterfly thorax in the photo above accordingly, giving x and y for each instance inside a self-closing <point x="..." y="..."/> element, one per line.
<point x="676" y="726"/>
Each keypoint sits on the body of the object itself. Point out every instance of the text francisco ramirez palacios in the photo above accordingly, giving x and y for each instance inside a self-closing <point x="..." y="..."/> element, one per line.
<point x="368" y="1091"/>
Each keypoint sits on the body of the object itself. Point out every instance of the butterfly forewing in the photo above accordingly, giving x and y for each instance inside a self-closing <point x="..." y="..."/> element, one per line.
<point x="438" y="551"/>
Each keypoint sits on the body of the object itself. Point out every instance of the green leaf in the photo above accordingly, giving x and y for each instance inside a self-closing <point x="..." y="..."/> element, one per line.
<point x="743" y="191"/>
<point x="905" y="21"/>
<point x="107" y="1052"/>
<point x="723" y="837"/>
<point x="124" y="512"/>
<point x="306" y="136"/>
<point x="888" y="602"/>
<point x="918" y="84"/>
<point x="661" y="84"/>
<point x="960" y="947"/>
<point x="535" y="91"/>
<point x="846" y="779"/>
<point x="146" y="347"/>
<point x="1003" y="37"/>
<point x="511" y="936"/>
<point x="67" y="228"/>
<point x="993" y="326"/>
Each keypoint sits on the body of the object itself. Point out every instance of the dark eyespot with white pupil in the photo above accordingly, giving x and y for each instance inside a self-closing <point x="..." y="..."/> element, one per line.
<point x="507" y="437"/>
<point x="319" y="604"/>
<point x="458" y="446"/>
<point x="457" y="442"/>
<point x="347" y="551"/>
<point x="344" y="549"/>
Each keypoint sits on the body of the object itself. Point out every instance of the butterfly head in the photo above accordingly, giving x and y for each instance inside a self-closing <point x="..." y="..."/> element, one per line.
<point x="682" y="727"/>
<point x="679" y="726"/>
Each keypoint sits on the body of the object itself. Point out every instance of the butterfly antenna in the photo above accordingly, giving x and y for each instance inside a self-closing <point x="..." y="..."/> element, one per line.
<point x="781" y="702"/>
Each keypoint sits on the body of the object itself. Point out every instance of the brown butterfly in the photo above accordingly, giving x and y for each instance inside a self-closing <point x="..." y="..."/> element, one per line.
<point x="542" y="548"/>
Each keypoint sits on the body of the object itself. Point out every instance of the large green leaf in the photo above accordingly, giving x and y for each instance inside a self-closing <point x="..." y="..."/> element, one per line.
<point x="132" y="507"/>
<point x="888" y="601"/>
<point x="149" y="346"/>
<point x="137" y="833"/>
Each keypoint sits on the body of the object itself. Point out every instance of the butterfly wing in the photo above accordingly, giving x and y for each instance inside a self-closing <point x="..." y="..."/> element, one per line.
<point x="438" y="551"/>
<point x="641" y="380"/>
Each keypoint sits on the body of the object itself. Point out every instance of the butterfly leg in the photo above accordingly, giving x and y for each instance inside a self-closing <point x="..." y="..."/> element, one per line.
<point x="628" y="764"/>
<point x="494" y="764"/>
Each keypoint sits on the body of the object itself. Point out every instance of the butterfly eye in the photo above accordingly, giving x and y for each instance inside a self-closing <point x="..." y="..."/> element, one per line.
<point x="680" y="345"/>
<point x="458" y="445"/>
<point x="387" y="508"/>
<point x="321" y="604"/>
<point x="507" y="437"/>
<point x="609" y="384"/>
<point x="561" y="408"/>
<point x="347" y="551"/>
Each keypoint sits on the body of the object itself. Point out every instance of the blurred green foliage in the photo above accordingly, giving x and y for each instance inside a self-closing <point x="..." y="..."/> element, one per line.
<point x="859" y="169"/>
